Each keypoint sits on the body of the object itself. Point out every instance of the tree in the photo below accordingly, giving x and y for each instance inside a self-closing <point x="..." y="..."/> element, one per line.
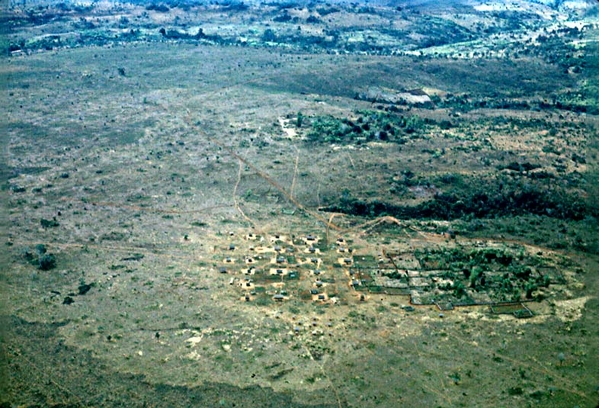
<point x="459" y="290"/>
<point x="529" y="288"/>
<point x="269" y="35"/>
<point x="300" y="119"/>
<point x="47" y="262"/>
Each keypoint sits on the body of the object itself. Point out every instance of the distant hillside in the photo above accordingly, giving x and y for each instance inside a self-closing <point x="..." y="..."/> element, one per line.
<point x="421" y="5"/>
<point x="434" y="4"/>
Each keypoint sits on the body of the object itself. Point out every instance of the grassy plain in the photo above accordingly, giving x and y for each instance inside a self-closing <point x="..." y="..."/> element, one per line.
<point x="138" y="164"/>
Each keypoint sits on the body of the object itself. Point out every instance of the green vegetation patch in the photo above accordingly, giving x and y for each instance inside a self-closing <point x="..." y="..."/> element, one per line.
<point x="503" y="274"/>
<point x="478" y="197"/>
<point x="366" y="126"/>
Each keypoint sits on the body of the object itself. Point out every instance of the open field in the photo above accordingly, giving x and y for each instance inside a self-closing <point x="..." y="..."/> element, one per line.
<point x="199" y="222"/>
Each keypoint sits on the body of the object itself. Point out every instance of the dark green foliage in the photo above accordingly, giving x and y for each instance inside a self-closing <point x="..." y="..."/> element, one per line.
<point x="47" y="262"/>
<point x="325" y="11"/>
<point x="84" y="288"/>
<point x="331" y="130"/>
<point x="393" y="275"/>
<point x="437" y="31"/>
<point x="29" y="256"/>
<point x="471" y="263"/>
<point x="506" y="274"/>
<point x="515" y="391"/>
<point x="529" y="288"/>
<point x="134" y="257"/>
<point x="234" y="6"/>
<point x="368" y="126"/>
<point x="161" y="8"/>
<point x="526" y="166"/>
<point x="521" y="272"/>
<point x="40" y="257"/>
<point x="49" y="223"/>
<point x="283" y="18"/>
<point x="300" y="120"/>
<point x="269" y="35"/>
<point x="459" y="290"/>
<point x="478" y="198"/>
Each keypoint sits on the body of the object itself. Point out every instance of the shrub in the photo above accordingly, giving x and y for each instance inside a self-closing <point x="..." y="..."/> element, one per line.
<point x="47" y="262"/>
<point x="49" y="223"/>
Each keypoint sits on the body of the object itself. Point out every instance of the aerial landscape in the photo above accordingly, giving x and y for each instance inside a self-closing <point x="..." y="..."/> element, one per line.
<point x="300" y="203"/>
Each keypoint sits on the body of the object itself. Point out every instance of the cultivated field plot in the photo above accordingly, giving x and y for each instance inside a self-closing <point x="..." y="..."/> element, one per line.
<point x="465" y="274"/>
